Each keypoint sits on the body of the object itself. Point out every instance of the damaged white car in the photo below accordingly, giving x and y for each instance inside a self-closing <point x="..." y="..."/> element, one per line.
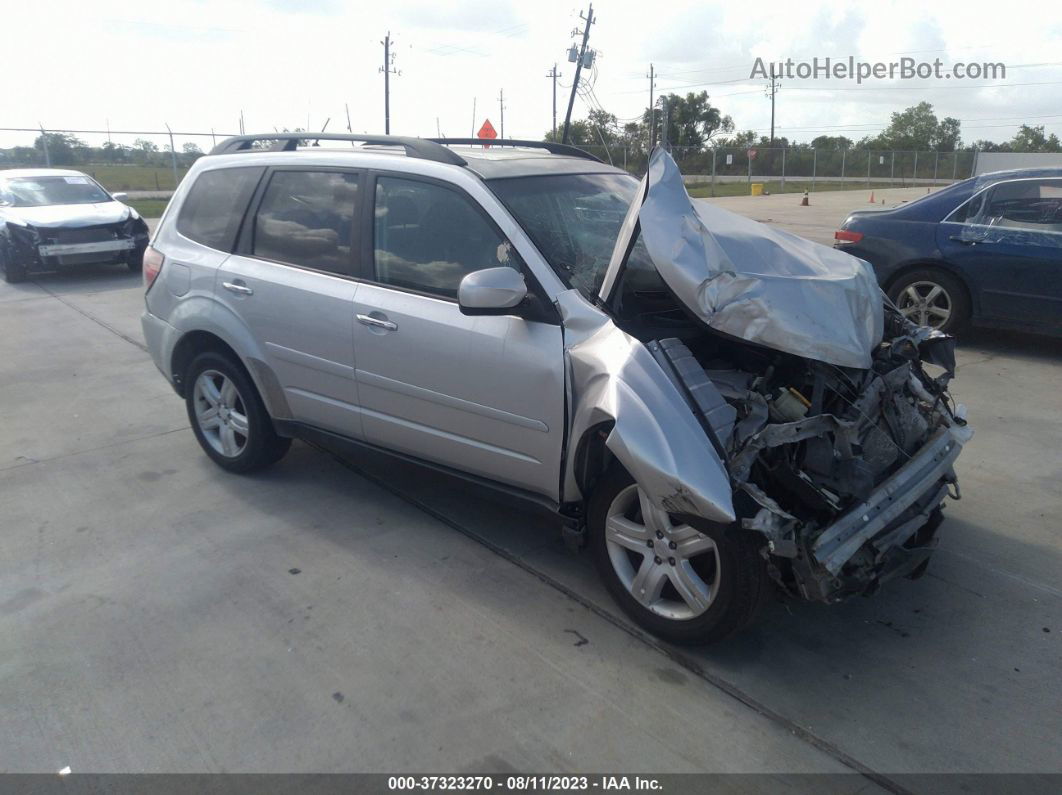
<point x="715" y="408"/>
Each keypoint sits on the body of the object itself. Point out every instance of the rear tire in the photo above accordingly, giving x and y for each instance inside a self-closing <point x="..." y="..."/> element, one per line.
<point x="925" y="295"/>
<point x="228" y="417"/>
<point x="720" y="566"/>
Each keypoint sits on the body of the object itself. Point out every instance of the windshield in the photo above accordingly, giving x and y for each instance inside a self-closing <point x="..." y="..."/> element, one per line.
<point x="40" y="191"/>
<point x="573" y="219"/>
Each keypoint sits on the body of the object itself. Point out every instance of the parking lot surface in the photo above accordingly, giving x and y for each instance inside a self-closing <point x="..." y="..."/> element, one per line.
<point x="158" y="614"/>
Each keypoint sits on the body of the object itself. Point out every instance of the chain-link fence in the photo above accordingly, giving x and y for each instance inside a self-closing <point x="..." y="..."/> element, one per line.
<point x="728" y="170"/>
<point x="150" y="161"/>
<point x="155" y="161"/>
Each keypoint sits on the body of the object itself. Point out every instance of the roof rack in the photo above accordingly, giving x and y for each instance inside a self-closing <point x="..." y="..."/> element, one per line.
<point x="421" y="148"/>
<point x="549" y="146"/>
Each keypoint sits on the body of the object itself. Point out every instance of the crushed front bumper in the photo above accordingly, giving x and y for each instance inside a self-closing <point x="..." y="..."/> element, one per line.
<point x="869" y="543"/>
<point x="102" y="247"/>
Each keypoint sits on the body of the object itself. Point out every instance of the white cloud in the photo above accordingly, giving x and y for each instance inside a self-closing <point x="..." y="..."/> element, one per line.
<point x="197" y="64"/>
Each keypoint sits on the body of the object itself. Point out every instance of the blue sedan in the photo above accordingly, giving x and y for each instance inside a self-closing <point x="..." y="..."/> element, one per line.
<point x="986" y="251"/>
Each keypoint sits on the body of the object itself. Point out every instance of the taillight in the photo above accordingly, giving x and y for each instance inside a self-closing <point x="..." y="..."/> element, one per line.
<point x="153" y="260"/>
<point x="843" y="236"/>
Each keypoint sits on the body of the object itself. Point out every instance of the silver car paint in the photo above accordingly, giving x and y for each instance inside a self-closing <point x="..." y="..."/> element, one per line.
<point x="483" y="394"/>
<point x="404" y="390"/>
<point x="752" y="281"/>
<point x="303" y="323"/>
<point x="654" y="435"/>
<point x="501" y="288"/>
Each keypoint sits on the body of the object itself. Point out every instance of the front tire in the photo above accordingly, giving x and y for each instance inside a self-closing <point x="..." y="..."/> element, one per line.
<point x="228" y="417"/>
<point x="135" y="261"/>
<point x="13" y="272"/>
<point x="932" y="297"/>
<point x="688" y="581"/>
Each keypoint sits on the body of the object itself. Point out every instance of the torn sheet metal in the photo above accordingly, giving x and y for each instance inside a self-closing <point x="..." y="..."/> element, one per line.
<point x="755" y="282"/>
<point x="615" y="379"/>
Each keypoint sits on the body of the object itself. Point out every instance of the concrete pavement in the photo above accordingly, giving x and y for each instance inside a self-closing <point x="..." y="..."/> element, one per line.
<point x="824" y="213"/>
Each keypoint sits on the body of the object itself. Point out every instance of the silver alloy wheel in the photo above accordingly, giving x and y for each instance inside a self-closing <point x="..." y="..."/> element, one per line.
<point x="925" y="303"/>
<point x="678" y="574"/>
<point x="221" y="413"/>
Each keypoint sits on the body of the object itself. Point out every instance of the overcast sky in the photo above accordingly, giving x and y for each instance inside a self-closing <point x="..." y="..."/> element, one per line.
<point x="195" y="64"/>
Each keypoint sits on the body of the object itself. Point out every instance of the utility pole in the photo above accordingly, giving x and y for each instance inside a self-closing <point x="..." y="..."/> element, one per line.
<point x="652" y="110"/>
<point x="387" y="70"/>
<point x="772" y="89"/>
<point x="44" y="145"/>
<point x="173" y="155"/>
<point x="501" y="111"/>
<point x="553" y="73"/>
<point x="665" y="141"/>
<point x="589" y="19"/>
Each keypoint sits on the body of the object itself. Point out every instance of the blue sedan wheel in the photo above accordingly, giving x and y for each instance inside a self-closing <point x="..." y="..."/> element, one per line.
<point x="931" y="298"/>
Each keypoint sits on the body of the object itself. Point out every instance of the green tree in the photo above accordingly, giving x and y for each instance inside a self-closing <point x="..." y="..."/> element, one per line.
<point x="692" y="121"/>
<point x="831" y="142"/>
<point x="64" y="149"/>
<point x="1033" y="139"/>
<point x="917" y="128"/>
<point x="580" y="133"/>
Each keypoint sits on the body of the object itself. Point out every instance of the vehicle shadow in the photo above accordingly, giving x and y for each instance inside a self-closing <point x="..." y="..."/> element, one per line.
<point x="1019" y="344"/>
<point x="87" y="279"/>
<point x="909" y="664"/>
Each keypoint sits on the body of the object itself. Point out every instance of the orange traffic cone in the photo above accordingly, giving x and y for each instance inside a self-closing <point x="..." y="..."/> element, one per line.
<point x="804" y="202"/>
<point x="872" y="198"/>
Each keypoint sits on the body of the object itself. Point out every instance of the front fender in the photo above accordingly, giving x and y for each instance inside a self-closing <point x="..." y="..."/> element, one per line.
<point x="654" y="435"/>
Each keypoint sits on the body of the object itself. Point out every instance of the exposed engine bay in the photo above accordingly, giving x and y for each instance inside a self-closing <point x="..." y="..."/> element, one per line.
<point x="843" y="470"/>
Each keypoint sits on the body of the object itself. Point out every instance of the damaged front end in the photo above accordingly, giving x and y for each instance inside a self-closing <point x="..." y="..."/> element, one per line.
<point x="823" y="421"/>
<point x="842" y="470"/>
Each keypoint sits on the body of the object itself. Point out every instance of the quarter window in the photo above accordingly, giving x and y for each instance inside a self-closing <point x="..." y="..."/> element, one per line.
<point x="428" y="237"/>
<point x="306" y="218"/>
<point x="214" y="206"/>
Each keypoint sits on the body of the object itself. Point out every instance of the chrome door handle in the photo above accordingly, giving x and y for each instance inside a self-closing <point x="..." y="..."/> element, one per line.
<point x="369" y="320"/>
<point x="234" y="287"/>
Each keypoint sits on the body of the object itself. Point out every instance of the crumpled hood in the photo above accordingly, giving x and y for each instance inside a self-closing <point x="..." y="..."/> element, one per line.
<point x="71" y="215"/>
<point x="760" y="284"/>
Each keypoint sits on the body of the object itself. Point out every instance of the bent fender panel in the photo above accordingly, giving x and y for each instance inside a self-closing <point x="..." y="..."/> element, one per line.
<point x="655" y="435"/>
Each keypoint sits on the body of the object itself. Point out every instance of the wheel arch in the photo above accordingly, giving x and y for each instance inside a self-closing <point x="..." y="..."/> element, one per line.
<point x="191" y="345"/>
<point x="198" y="341"/>
<point x="592" y="456"/>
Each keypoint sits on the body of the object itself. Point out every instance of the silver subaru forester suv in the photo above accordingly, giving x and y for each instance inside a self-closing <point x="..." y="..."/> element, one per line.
<point x="718" y="409"/>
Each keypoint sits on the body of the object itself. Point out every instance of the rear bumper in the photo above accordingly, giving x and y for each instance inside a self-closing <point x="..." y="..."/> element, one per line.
<point x="160" y="338"/>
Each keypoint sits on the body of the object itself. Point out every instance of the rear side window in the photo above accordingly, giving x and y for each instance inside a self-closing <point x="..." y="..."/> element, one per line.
<point x="1030" y="204"/>
<point x="427" y="237"/>
<point x="306" y="218"/>
<point x="212" y="211"/>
